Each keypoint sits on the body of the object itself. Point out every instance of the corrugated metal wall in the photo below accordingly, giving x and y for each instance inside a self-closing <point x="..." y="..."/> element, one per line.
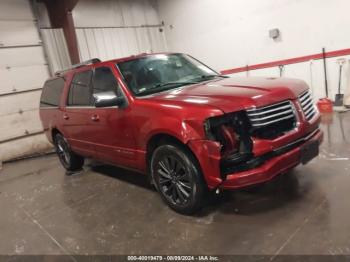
<point x="107" y="29"/>
<point x="23" y="69"/>
<point x="109" y="43"/>
<point x="56" y="48"/>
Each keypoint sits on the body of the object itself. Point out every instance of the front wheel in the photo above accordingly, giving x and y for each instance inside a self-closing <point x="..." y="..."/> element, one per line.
<point x="178" y="178"/>
<point x="69" y="160"/>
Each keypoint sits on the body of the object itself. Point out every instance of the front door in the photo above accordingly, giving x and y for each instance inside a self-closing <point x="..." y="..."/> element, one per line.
<point x="113" y="130"/>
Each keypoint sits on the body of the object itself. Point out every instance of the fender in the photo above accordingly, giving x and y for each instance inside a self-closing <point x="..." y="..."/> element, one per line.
<point x="183" y="131"/>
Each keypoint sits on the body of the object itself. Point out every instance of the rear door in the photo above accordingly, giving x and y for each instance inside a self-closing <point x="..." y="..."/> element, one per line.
<point x="50" y="114"/>
<point x="77" y="114"/>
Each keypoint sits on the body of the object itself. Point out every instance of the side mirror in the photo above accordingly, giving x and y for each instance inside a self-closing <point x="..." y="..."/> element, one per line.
<point x="107" y="99"/>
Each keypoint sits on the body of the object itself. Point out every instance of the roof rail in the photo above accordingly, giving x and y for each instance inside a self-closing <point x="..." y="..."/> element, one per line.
<point x="87" y="62"/>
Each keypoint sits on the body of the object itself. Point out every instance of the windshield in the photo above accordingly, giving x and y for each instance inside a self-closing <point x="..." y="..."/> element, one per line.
<point x="156" y="73"/>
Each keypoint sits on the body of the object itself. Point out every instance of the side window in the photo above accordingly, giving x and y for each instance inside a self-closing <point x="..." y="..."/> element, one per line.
<point x="80" y="89"/>
<point x="51" y="93"/>
<point x="104" y="81"/>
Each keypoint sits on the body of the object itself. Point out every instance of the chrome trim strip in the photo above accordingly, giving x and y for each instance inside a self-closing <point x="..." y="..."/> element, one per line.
<point x="310" y="114"/>
<point x="274" y="115"/>
<point x="276" y="120"/>
<point x="80" y="107"/>
<point x="305" y="97"/>
<point x="264" y="107"/>
<point x="307" y="105"/>
<point x="89" y="107"/>
<point x="48" y="107"/>
<point x="307" y="111"/>
<point x="307" y="101"/>
<point x="268" y="111"/>
<point x="283" y="110"/>
<point x="304" y="93"/>
<point x="303" y="139"/>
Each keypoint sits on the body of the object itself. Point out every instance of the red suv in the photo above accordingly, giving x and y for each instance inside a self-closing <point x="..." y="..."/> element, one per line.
<point x="175" y="119"/>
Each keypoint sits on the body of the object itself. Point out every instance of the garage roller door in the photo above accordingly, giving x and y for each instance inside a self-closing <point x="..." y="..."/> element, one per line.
<point x="23" y="69"/>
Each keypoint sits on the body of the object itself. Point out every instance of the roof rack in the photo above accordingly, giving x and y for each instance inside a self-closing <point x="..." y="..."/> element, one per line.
<point x="87" y="62"/>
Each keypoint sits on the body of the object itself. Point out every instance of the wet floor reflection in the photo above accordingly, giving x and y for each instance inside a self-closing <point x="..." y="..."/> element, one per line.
<point x="255" y="199"/>
<point x="336" y="127"/>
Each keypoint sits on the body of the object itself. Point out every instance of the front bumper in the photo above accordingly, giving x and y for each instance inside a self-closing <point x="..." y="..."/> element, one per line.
<point x="263" y="168"/>
<point x="246" y="162"/>
<point x="285" y="160"/>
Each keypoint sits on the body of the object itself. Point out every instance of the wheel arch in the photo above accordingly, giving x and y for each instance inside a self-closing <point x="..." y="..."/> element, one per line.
<point x="164" y="138"/>
<point x="159" y="139"/>
<point x="54" y="132"/>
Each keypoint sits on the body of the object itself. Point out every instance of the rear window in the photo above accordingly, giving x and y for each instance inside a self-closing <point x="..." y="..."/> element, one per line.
<point x="51" y="93"/>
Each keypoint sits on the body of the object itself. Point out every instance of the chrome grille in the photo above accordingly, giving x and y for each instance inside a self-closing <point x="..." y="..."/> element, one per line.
<point x="272" y="114"/>
<point x="307" y="105"/>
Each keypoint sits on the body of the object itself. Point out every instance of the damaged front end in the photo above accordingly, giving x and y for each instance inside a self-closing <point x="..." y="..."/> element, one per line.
<point x="232" y="131"/>
<point x="253" y="145"/>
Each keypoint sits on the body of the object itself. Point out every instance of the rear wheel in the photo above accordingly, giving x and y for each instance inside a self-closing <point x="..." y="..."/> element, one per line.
<point x="69" y="160"/>
<point x="178" y="178"/>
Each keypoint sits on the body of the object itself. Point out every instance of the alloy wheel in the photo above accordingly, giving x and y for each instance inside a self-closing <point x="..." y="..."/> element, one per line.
<point x="174" y="180"/>
<point x="63" y="151"/>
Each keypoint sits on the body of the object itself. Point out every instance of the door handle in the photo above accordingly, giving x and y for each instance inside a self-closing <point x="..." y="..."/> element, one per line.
<point x="65" y="117"/>
<point x="95" y="118"/>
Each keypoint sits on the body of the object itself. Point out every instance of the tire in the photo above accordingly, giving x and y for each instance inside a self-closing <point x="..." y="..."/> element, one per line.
<point x="178" y="178"/>
<point x="69" y="160"/>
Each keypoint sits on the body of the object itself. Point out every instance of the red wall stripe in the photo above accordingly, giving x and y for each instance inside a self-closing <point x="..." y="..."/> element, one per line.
<point x="289" y="61"/>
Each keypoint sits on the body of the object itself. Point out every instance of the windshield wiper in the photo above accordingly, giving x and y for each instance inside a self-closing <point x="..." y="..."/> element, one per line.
<point x="167" y="84"/>
<point x="208" y="77"/>
<point x="173" y="83"/>
<point x="212" y="76"/>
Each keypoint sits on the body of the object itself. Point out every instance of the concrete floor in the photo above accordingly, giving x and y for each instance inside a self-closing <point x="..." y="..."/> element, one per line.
<point x="106" y="210"/>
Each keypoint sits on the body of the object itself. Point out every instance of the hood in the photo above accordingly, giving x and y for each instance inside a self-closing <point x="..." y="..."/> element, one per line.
<point x="233" y="94"/>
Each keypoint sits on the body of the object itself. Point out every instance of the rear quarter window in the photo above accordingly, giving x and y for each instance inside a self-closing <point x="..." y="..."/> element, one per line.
<point x="51" y="93"/>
